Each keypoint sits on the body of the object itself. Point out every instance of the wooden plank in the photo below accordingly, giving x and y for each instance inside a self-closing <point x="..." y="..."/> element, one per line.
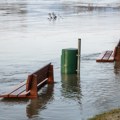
<point x="41" y="84"/>
<point x="107" y="56"/>
<point x="24" y="94"/>
<point x="6" y="94"/>
<point x="99" y="59"/>
<point x="42" y="76"/>
<point x="111" y="58"/>
<point x="18" y="91"/>
<point x="41" y="70"/>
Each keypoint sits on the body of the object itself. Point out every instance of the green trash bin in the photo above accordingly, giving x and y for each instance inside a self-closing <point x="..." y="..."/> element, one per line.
<point x="69" y="61"/>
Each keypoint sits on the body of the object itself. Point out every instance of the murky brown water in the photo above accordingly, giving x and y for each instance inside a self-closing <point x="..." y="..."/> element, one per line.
<point x="28" y="40"/>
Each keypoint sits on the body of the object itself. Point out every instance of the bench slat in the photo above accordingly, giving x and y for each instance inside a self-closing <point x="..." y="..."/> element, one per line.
<point x="6" y="94"/>
<point x="41" y="84"/>
<point x="18" y="91"/>
<point x="107" y="56"/>
<point x="24" y="94"/>
<point x="18" y="86"/>
<point x="41" y="77"/>
<point x="100" y="56"/>
<point x="111" y="59"/>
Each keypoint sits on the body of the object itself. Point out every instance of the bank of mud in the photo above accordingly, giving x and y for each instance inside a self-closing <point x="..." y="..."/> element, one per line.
<point x="111" y="115"/>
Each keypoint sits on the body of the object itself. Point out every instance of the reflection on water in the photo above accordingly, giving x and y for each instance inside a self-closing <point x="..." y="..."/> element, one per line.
<point x="33" y="107"/>
<point x="117" y="67"/>
<point x="71" y="86"/>
<point x="14" y="100"/>
<point x="13" y="8"/>
<point x="36" y="105"/>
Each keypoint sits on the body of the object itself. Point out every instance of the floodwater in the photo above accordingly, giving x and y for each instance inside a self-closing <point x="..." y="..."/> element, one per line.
<point x="29" y="40"/>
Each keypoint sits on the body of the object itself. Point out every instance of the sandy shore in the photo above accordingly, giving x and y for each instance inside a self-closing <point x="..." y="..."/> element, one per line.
<point x="111" y="115"/>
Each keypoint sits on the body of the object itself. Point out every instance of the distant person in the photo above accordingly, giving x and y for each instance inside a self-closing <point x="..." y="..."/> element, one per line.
<point x="52" y="16"/>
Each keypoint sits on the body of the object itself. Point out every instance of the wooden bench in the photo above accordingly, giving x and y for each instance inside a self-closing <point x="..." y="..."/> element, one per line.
<point x="107" y="56"/>
<point x="30" y="87"/>
<point x="110" y="55"/>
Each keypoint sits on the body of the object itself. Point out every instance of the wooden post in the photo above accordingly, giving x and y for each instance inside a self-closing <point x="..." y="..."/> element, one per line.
<point x="117" y="52"/>
<point x="117" y="55"/>
<point x="29" y="82"/>
<point x="51" y="75"/>
<point x="33" y="91"/>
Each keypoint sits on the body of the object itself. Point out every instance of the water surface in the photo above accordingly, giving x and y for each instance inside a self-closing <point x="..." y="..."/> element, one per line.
<point x="29" y="40"/>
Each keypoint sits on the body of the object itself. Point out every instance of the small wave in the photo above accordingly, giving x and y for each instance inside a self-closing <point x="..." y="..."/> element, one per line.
<point x="93" y="4"/>
<point x="98" y="5"/>
<point x="90" y="57"/>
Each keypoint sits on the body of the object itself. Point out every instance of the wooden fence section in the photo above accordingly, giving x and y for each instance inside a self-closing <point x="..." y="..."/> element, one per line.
<point x="34" y="82"/>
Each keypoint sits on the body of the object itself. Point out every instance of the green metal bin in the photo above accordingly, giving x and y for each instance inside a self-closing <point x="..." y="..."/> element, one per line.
<point x="69" y="61"/>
